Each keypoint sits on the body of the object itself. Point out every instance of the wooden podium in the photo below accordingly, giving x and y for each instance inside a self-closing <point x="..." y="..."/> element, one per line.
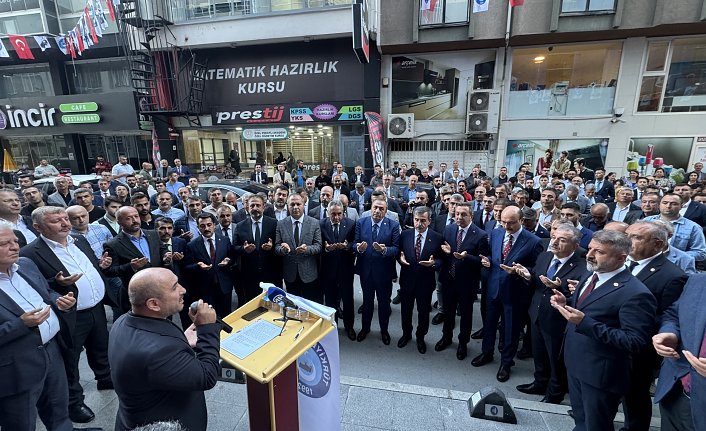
<point x="272" y="369"/>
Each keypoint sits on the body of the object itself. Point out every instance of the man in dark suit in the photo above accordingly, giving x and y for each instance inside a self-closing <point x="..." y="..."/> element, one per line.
<point x="598" y="217"/>
<point x="649" y="206"/>
<point x="132" y="250"/>
<point x="359" y="176"/>
<point x="459" y="275"/>
<point x="339" y="188"/>
<point x="604" y="188"/>
<point x="508" y="295"/>
<point x="483" y="219"/>
<point x="529" y="221"/>
<point x="553" y="270"/>
<point x="145" y="381"/>
<point x="622" y="205"/>
<point x="666" y="281"/>
<point x="571" y="213"/>
<point x="611" y="315"/>
<point x="31" y="315"/>
<point x="337" y="264"/>
<point x="69" y="264"/>
<point x="111" y="206"/>
<point x="695" y="211"/>
<point x="420" y="258"/>
<point x="582" y="171"/>
<point x="254" y="243"/>
<point x="681" y="341"/>
<point x="207" y="264"/>
<point x="298" y="241"/>
<point x="258" y="176"/>
<point x="377" y="244"/>
<point x="183" y="172"/>
<point x="175" y="251"/>
<point x="360" y="198"/>
<point x="320" y="212"/>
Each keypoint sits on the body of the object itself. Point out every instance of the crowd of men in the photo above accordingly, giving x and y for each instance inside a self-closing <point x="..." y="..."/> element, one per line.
<point x="594" y="277"/>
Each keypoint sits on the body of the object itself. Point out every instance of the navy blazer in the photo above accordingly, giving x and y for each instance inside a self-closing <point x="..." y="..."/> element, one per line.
<point x="510" y="287"/>
<point x="178" y="246"/>
<point x="475" y="244"/>
<point x="371" y="263"/>
<point x="415" y="276"/>
<point x="196" y="252"/>
<point x="541" y="232"/>
<point x="586" y="237"/>
<point x="696" y="212"/>
<point x="665" y="280"/>
<point x="686" y="318"/>
<point x="23" y="362"/>
<point x="353" y="199"/>
<point x="258" y="265"/>
<point x="619" y="321"/>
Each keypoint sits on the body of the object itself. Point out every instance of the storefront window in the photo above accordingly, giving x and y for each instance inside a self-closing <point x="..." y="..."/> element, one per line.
<point x="443" y="12"/>
<point x="138" y="148"/>
<point x="100" y="76"/>
<point x="30" y="150"/>
<point x="575" y="80"/>
<point x="25" y="81"/>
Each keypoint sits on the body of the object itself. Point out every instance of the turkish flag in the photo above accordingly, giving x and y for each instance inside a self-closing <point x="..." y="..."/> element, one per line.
<point x="21" y="47"/>
<point x="514" y="3"/>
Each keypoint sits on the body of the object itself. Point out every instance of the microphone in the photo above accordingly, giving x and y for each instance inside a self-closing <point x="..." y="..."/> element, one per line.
<point x="279" y="296"/>
<point x="226" y="327"/>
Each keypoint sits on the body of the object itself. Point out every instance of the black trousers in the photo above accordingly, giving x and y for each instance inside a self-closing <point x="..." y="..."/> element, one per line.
<point x="48" y="397"/>
<point x="91" y="332"/>
<point x="458" y="294"/>
<point x="675" y="410"/>
<point x="311" y="291"/>
<point x="549" y="368"/>
<point x="422" y="295"/>
<point x="337" y="290"/>
<point x="637" y="404"/>
<point x="594" y="408"/>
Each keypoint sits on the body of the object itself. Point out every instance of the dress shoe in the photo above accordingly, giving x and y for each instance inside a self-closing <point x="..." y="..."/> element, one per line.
<point x="360" y="310"/>
<point x="478" y="335"/>
<point x="81" y="414"/>
<point x="438" y="318"/>
<point x="442" y="344"/>
<point x="403" y="341"/>
<point x="532" y="388"/>
<point x="102" y="385"/>
<point x="362" y="334"/>
<point x="461" y="352"/>
<point x="351" y="334"/>
<point x="396" y="300"/>
<point x="482" y="359"/>
<point x="421" y="345"/>
<point x="503" y="374"/>
<point x="552" y="399"/>
<point x="524" y="354"/>
<point x="385" y="336"/>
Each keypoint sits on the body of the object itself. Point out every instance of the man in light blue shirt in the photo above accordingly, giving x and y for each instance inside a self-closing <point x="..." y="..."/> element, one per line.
<point x="164" y="200"/>
<point x="122" y="169"/>
<point x="173" y="185"/>
<point x="688" y="236"/>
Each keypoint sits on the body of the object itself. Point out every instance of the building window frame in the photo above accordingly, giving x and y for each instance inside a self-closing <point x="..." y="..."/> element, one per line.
<point x="587" y="10"/>
<point x="442" y="4"/>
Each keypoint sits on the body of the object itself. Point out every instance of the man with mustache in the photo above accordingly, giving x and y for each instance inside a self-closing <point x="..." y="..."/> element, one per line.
<point x="611" y="316"/>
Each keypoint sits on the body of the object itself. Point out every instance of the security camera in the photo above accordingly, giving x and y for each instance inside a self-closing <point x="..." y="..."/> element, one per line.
<point x="618" y="112"/>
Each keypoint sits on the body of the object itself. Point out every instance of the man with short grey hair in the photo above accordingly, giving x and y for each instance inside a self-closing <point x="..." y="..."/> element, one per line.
<point x="611" y="316"/>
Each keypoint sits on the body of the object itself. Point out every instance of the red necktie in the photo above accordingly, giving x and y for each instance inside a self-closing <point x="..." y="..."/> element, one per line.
<point x="212" y="249"/>
<point x="418" y="246"/>
<point x="587" y="291"/>
<point x="508" y="247"/>
<point x="686" y="380"/>
<point x="487" y="217"/>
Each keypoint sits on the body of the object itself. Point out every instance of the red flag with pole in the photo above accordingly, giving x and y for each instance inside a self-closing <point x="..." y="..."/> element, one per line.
<point x="514" y="3"/>
<point x="111" y="9"/>
<point x="91" y="28"/>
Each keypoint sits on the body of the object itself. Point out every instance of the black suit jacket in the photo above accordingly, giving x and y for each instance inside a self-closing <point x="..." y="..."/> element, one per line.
<point x="263" y="178"/>
<point x="337" y="263"/>
<point x="665" y="280"/>
<point x="105" y="223"/>
<point x="438" y="224"/>
<point x="196" y="252"/>
<point x="607" y="192"/>
<point x="258" y="265"/>
<point x="611" y="209"/>
<point x="540" y="310"/>
<point x="122" y="251"/>
<point x="467" y="270"/>
<point x="414" y="277"/>
<point x="631" y="217"/>
<point x="160" y="377"/>
<point x="696" y="212"/>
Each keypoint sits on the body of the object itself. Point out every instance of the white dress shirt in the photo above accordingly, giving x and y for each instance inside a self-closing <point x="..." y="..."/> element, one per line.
<point x="602" y="278"/>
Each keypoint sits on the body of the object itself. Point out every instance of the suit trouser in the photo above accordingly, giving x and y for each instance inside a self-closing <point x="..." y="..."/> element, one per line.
<point x="594" y="408"/>
<point x="311" y="291"/>
<point x="549" y="368"/>
<point x="439" y="294"/>
<point x="339" y="289"/>
<point x="422" y="295"/>
<point x="92" y="332"/>
<point x="513" y="314"/>
<point x="675" y="410"/>
<point x="382" y="289"/>
<point x="637" y="404"/>
<point x="459" y="293"/>
<point x="113" y="287"/>
<point x="222" y="301"/>
<point x="48" y="397"/>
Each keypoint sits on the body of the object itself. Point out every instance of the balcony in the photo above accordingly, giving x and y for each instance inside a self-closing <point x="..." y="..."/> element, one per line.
<point x="193" y="10"/>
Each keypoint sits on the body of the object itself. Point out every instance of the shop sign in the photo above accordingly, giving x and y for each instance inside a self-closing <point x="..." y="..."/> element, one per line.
<point x="361" y="39"/>
<point x="300" y="113"/>
<point x="286" y="73"/>
<point x="43" y="116"/>
<point x="265" y="134"/>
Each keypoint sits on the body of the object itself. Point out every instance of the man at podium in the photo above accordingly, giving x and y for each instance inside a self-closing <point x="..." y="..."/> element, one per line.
<point x="160" y="373"/>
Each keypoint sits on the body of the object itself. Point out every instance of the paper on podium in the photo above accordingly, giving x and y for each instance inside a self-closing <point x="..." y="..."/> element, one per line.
<point x="247" y="340"/>
<point x="320" y="310"/>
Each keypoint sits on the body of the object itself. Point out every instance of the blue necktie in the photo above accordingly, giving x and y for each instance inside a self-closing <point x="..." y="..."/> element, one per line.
<point x="551" y="272"/>
<point x="375" y="233"/>
<point x="599" y="186"/>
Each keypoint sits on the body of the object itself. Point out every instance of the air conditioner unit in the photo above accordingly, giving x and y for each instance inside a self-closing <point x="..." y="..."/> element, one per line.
<point x="483" y="112"/>
<point x="400" y="126"/>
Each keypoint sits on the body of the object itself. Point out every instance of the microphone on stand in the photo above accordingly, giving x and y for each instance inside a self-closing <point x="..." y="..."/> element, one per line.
<point x="279" y="296"/>
<point x="226" y="327"/>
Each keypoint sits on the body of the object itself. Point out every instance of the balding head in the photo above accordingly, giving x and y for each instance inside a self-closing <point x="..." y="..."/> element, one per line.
<point x="78" y="216"/>
<point x="616" y="226"/>
<point x="155" y="292"/>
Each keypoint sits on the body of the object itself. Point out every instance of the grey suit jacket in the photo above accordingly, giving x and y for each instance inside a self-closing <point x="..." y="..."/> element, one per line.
<point x="305" y="264"/>
<point x="56" y="199"/>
